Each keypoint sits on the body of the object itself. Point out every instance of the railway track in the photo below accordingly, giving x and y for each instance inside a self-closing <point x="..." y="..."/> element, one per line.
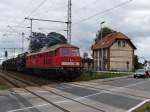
<point x="21" y="83"/>
<point x="12" y="79"/>
<point x="30" y="78"/>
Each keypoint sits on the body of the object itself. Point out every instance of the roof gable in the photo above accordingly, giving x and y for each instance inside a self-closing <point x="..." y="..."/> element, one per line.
<point x="108" y="40"/>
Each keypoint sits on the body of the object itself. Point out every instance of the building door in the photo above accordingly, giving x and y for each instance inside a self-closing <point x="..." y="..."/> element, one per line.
<point x="127" y="65"/>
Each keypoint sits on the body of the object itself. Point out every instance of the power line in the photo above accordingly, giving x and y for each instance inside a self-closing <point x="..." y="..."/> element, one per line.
<point x="34" y="19"/>
<point x="20" y="27"/>
<point x="45" y="20"/>
<point x="24" y="9"/>
<point x="52" y="29"/>
<point x="39" y="6"/>
<point x="102" y="12"/>
<point x="64" y="6"/>
<point x="33" y="11"/>
<point x="85" y="6"/>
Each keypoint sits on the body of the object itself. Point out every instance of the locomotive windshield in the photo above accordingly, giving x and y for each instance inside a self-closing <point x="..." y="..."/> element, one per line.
<point x="75" y="53"/>
<point x="69" y="52"/>
<point x="65" y="52"/>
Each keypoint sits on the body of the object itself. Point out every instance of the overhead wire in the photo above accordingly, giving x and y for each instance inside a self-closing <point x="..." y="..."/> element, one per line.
<point x="64" y="6"/>
<point x="82" y="20"/>
<point x="23" y="11"/>
<point x="85" y="5"/>
<point x="104" y="11"/>
<point x="33" y="11"/>
<point x="38" y="7"/>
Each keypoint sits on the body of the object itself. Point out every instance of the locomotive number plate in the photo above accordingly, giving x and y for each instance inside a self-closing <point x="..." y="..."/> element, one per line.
<point x="70" y="63"/>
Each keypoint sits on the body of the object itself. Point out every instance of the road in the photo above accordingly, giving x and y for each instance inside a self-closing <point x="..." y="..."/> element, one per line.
<point x="119" y="95"/>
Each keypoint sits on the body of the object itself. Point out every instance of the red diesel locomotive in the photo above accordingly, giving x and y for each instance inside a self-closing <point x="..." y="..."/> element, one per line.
<point x="61" y="59"/>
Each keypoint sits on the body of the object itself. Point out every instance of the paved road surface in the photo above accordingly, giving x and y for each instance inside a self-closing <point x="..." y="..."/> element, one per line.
<point x="95" y="96"/>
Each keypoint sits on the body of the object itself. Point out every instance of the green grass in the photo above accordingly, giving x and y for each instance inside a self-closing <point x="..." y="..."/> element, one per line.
<point x="86" y="76"/>
<point x="3" y="87"/>
<point x="144" y="108"/>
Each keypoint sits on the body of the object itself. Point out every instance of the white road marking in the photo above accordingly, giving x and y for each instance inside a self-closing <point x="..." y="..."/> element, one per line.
<point x="63" y="101"/>
<point x="80" y="98"/>
<point x="103" y="91"/>
<point x="130" y="85"/>
<point x="42" y="91"/>
<point x="28" y="107"/>
<point x="113" y="89"/>
<point x="139" y="105"/>
<point x="21" y="93"/>
<point x="90" y="95"/>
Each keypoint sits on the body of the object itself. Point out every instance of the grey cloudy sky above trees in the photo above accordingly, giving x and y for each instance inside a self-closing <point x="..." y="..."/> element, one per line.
<point x="132" y="19"/>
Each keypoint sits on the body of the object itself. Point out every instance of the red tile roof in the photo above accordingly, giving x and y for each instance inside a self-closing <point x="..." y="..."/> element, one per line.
<point x="108" y="40"/>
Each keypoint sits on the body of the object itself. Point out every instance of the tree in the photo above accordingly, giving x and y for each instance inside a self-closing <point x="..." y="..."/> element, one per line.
<point x="137" y="64"/>
<point x="105" y="32"/>
<point x="54" y="38"/>
<point x="40" y="40"/>
<point x="37" y="41"/>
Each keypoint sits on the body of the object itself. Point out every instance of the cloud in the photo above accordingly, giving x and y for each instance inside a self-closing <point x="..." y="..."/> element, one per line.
<point x="132" y="19"/>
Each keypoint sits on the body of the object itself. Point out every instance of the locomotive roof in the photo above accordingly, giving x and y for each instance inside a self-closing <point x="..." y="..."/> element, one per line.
<point x="52" y="48"/>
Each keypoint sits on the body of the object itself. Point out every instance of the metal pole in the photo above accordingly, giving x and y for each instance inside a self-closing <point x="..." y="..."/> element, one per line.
<point x="22" y="42"/>
<point x="14" y="53"/>
<point x="31" y="28"/>
<point x="35" y="19"/>
<point x="102" y="52"/>
<point x="69" y="22"/>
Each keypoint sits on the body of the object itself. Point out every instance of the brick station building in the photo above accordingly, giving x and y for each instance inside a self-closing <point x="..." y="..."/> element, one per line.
<point x="117" y="51"/>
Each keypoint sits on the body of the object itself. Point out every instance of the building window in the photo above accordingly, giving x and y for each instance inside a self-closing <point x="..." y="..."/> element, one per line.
<point x="119" y="43"/>
<point x="123" y="43"/>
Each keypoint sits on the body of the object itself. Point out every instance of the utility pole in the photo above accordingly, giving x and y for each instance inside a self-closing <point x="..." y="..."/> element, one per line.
<point x="34" y="19"/>
<point x="31" y="28"/>
<point x="23" y="42"/>
<point x="22" y="34"/>
<point x="30" y="25"/>
<point x="69" y="21"/>
<point x="102" y="50"/>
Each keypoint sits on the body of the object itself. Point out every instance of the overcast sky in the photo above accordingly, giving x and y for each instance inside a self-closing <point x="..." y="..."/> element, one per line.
<point x="132" y="19"/>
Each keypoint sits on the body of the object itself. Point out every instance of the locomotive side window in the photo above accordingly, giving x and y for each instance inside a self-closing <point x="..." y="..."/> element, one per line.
<point x="65" y="52"/>
<point x="75" y="53"/>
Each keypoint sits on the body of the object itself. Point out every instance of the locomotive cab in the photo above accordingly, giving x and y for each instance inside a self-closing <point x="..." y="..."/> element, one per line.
<point x="70" y="57"/>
